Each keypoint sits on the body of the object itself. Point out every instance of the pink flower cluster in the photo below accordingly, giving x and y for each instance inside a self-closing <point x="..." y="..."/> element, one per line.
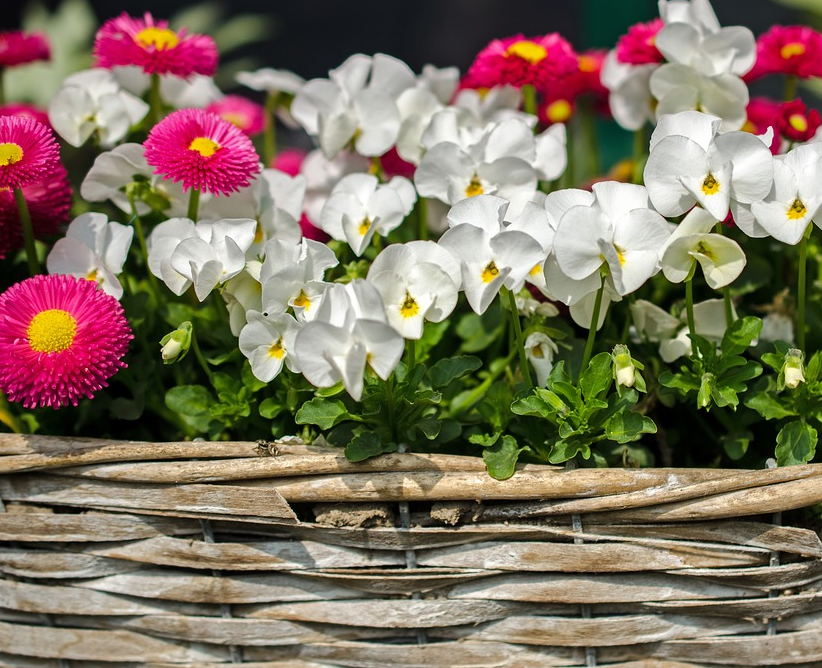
<point x="19" y="48"/>
<point x="638" y="45"/>
<point x="794" y="50"/>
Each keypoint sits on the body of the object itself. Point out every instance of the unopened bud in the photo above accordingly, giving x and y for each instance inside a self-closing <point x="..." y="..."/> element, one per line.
<point x="624" y="368"/>
<point x="793" y="370"/>
<point x="175" y="345"/>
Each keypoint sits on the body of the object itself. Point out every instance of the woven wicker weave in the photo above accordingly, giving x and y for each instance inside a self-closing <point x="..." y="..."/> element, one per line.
<point x="286" y="556"/>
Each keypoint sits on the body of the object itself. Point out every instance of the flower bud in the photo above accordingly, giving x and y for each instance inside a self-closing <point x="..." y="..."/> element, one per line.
<point x="793" y="370"/>
<point x="624" y="369"/>
<point x="540" y="351"/>
<point x="175" y="345"/>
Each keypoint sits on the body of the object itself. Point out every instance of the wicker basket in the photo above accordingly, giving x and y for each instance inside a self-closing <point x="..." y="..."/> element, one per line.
<point x="279" y="555"/>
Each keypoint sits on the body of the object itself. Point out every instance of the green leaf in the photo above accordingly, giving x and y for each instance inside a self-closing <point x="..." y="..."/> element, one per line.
<point x="562" y="451"/>
<point x="597" y="378"/>
<point x="501" y="458"/>
<point x="773" y="360"/>
<point x="740" y="335"/>
<point x="223" y="383"/>
<point x="480" y="331"/>
<point x="679" y="381"/>
<point x="537" y="406"/>
<point x="322" y="412"/>
<point x="813" y="368"/>
<point x="627" y="426"/>
<point x="795" y="443"/>
<point x="485" y="440"/>
<point x="769" y="406"/>
<point x="567" y="391"/>
<point x="363" y="446"/>
<point x="271" y="408"/>
<point x="193" y="400"/>
<point x="429" y="428"/>
<point x="706" y="390"/>
<point x="451" y="368"/>
<point x="736" y="445"/>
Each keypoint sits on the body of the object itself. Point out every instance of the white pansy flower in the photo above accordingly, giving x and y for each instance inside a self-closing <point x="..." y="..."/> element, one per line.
<point x="490" y="256"/>
<point x="243" y="293"/>
<point x="629" y="91"/>
<point x="94" y="249"/>
<point x="322" y="174"/>
<point x="360" y="206"/>
<point x="721" y="258"/>
<point x="539" y="351"/>
<point x="267" y="341"/>
<point x="710" y="323"/>
<point x="356" y="104"/>
<point x="93" y="102"/>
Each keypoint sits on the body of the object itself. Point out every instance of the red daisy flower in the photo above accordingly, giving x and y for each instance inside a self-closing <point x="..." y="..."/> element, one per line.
<point x="19" y="48"/>
<point x="638" y="45"/>
<point x="28" y="152"/>
<point x="154" y="47"/>
<point x="202" y="151"/>
<point x="788" y="50"/>
<point x="61" y="339"/>
<point x="20" y="109"/>
<point x="796" y="123"/>
<point x="244" y="113"/>
<point x="49" y="204"/>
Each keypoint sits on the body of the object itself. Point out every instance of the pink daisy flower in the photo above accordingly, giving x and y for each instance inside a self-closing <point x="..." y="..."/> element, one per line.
<point x="796" y="123"/>
<point x="28" y="152"/>
<point x="763" y="113"/>
<point x="517" y="61"/>
<point x="49" y="204"/>
<point x="244" y="113"/>
<point x="19" y="48"/>
<point x="202" y="151"/>
<point x="28" y="110"/>
<point x="560" y="101"/>
<point x="788" y="50"/>
<point x="289" y="160"/>
<point x="638" y="45"/>
<point x="61" y="339"/>
<point x="154" y="47"/>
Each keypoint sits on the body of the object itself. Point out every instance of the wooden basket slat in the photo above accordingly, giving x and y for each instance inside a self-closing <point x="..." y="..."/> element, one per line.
<point x="89" y="527"/>
<point x="58" y="565"/>
<point x="760" y="650"/>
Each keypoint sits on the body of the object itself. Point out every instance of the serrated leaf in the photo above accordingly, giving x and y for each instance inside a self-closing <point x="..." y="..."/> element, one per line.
<point x="363" y="446"/>
<point x="627" y="426"/>
<point x="795" y="443"/>
<point x="322" y="412"/>
<point x="740" y="335"/>
<point x="535" y="406"/>
<point x="567" y="391"/>
<point x="562" y="451"/>
<point x="501" y="458"/>
<point x="451" y="368"/>
<point x="773" y="360"/>
<point x="679" y="381"/>
<point x="429" y="428"/>
<point x="192" y="400"/>
<point x="768" y="406"/>
<point x="597" y="378"/>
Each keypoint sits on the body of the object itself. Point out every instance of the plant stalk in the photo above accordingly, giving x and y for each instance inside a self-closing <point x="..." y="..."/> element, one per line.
<point x="155" y="101"/>
<point x="270" y="129"/>
<point x="519" y="342"/>
<point x="28" y="232"/>
<point x="193" y="204"/>
<point x="801" y="287"/>
<point x="592" y="331"/>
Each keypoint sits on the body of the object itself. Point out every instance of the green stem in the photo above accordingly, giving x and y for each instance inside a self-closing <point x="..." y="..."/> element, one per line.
<point x="195" y="346"/>
<point x="7" y="417"/>
<point x="589" y="126"/>
<point x="28" y="232"/>
<point x="640" y="154"/>
<point x="389" y="401"/>
<point x="519" y="342"/>
<point x="270" y="130"/>
<point x="566" y="179"/>
<point x="689" y="309"/>
<point x="376" y="168"/>
<point x="801" y="280"/>
<point x="480" y="390"/>
<point x="422" y="217"/>
<point x="791" y="85"/>
<point x="411" y="351"/>
<point x="529" y="99"/>
<point x="592" y="331"/>
<point x="726" y="293"/>
<point x="141" y="240"/>
<point x="155" y="101"/>
<point x="193" y="204"/>
<point x="2" y="85"/>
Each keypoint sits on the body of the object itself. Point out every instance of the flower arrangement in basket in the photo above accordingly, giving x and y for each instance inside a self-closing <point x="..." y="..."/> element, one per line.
<point x="449" y="270"/>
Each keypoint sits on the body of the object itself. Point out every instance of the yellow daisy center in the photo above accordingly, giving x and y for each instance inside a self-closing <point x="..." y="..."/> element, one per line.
<point x="161" y="39"/>
<point x="798" y="122"/>
<point x="558" y="111"/>
<point x="409" y="307"/>
<point x="10" y="153"/>
<point x="302" y="301"/>
<point x="710" y="186"/>
<point x="204" y="146"/>
<point x="587" y="64"/>
<point x="797" y="210"/>
<point x="51" y="331"/>
<point x="276" y="349"/>
<point x="490" y="272"/>
<point x="528" y="51"/>
<point x="235" y="119"/>
<point x="474" y="187"/>
<point x="792" y="49"/>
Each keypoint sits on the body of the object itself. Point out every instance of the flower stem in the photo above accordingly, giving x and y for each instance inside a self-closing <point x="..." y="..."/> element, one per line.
<point x="801" y="281"/>
<point x="141" y="240"/>
<point x="2" y="85"/>
<point x="639" y="158"/>
<point x="790" y="90"/>
<point x="519" y="342"/>
<point x="689" y="308"/>
<point x="726" y="293"/>
<point x="193" y="204"/>
<point x="28" y="232"/>
<point x="592" y="331"/>
<point x="422" y="217"/>
<point x="529" y="99"/>
<point x="155" y="101"/>
<point x="411" y="351"/>
<point x="270" y="129"/>
<point x="195" y="346"/>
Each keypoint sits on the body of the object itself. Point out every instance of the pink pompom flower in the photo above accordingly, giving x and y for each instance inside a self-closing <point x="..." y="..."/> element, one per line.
<point x="22" y="109"/>
<point x="638" y="45"/>
<point x="19" y="48"/>
<point x="202" y="151"/>
<point x="763" y="113"/>
<point x="153" y="46"/>
<point x="49" y="204"/>
<point x="788" y="50"/>
<point x="796" y="123"/>
<point x="61" y="339"/>
<point x="244" y="113"/>
<point x="29" y="153"/>
<point x="517" y="61"/>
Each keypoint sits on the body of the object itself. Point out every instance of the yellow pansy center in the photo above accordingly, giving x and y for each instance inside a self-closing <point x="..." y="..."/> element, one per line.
<point x="703" y="249"/>
<point x="51" y="331"/>
<point x="276" y="349"/>
<point x="474" y="187"/>
<point x="792" y="49"/>
<point x="161" y="39"/>
<point x="558" y="111"/>
<point x="92" y="276"/>
<point x="536" y="270"/>
<point x="490" y="272"/>
<point x="258" y="233"/>
<point x="10" y="153"/>
<point x="797" y="210"/>
<point x="710" y="186"/>
<point x="302" y="301"/>
<point x="798" y="122"/>
<point x="364" y="226"/>
<point x="620" y="255"/>
<point x="528" y="51"/>
<point x="409" y="307"/>
<point x="536" y="352"/>
<point x="204" y="146"/>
